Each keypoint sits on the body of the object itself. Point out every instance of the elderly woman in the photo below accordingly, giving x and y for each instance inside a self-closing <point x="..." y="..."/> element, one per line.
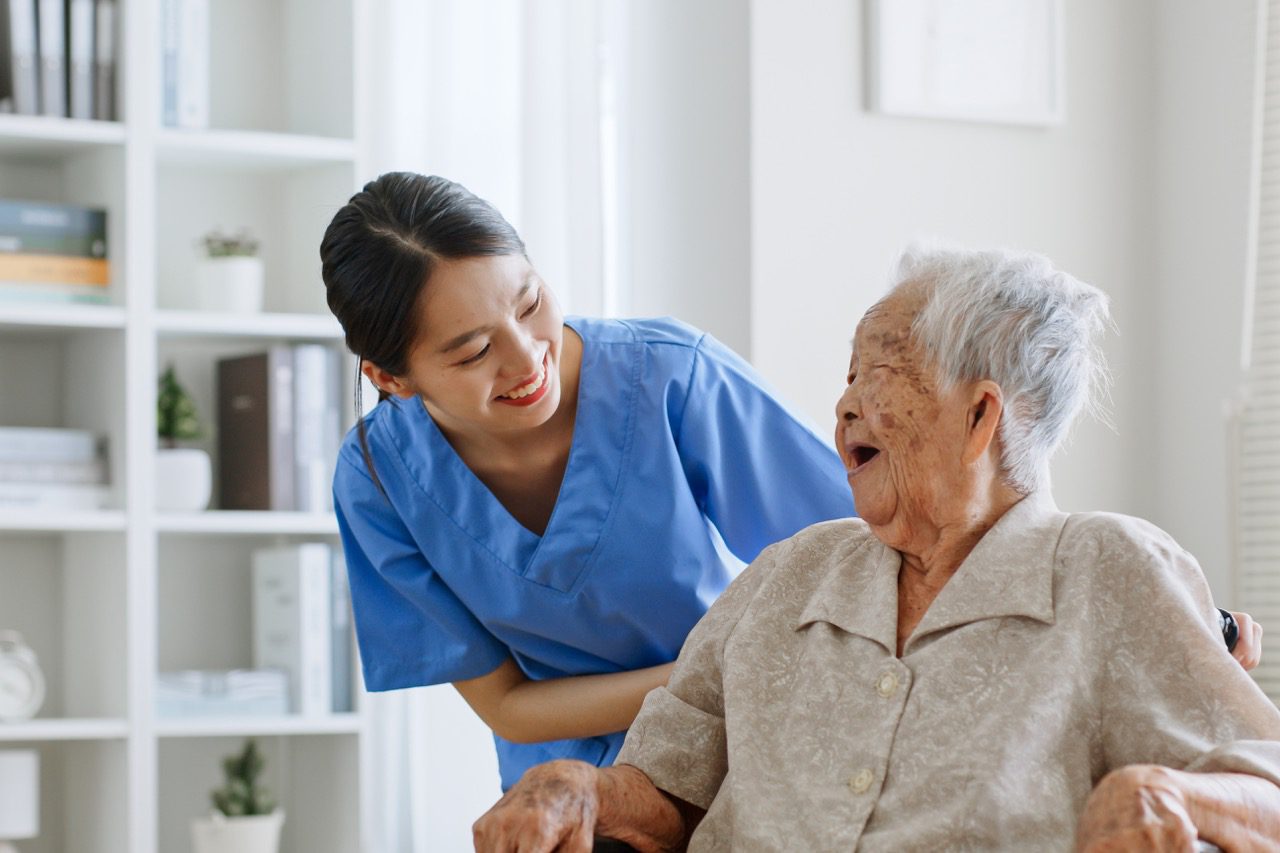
<point x="964" y="666"/>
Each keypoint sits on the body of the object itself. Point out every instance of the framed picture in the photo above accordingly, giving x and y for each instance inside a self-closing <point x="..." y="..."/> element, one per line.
<point x="972" y="60"/>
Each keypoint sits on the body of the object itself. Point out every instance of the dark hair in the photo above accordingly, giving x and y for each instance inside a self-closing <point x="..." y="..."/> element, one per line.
<point x="379" y="252"/>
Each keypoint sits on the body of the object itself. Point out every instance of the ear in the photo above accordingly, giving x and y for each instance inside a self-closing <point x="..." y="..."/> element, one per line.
<point x="986" y="404"/>
<point x="384" y="381"/>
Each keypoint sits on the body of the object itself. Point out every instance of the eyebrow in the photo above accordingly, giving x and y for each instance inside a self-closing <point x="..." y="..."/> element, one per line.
<point x="466" y="337"/>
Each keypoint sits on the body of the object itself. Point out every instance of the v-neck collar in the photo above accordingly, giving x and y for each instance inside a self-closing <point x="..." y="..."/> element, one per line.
<point x="601" y="440"/>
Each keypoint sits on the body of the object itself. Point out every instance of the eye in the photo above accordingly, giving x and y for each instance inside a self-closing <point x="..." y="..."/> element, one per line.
<point x="532" y="309"/>
<point x="473" y="359"/>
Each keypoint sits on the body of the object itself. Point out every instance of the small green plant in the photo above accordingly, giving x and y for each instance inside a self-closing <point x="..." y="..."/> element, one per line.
<point x="242" y="795"/>
<point x="239" y="245"/>
<point x="175" y="412"/>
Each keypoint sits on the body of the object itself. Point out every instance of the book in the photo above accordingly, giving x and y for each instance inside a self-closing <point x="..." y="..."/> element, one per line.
<point x="291" y="621"/>
<point x="36" y="227"/>
<point x="79" y="15"/>
<point x="48" y="444"/>
<point x="343" y="636"/>
<point x="51" y="32"/>
<point x="23" y="50"/>
<point x="317" y="425"/>
<point x="185" y="63"/>
<point x="42" y="292"/>
<point x="255" y="430"/>
<point x="104" y="60"/>
<point x="54" y="269"/>
<point x="89" y="473"/>
<point x="219" y="693"/>
<point x="59" y="496"/>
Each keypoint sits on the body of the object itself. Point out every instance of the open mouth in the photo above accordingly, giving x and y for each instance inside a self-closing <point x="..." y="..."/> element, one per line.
<point x="859" y="455"/>
<point x="530" y="390"/>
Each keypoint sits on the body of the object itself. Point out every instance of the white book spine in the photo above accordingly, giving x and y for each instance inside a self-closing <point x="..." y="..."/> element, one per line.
<point x="47" y="444"/>
<point x="80" y="53"/>
<point x="59" y="496"/>
<point x="104" y="60"/>
<point x="169" y="10"/>
<point x="311" y="430"/>
<point x="24" y="56"/>
<point x="193" y="64"/>
<point x="68" y="473"/>
<point x="291" y="621"/>
<point x="51" y="25"/>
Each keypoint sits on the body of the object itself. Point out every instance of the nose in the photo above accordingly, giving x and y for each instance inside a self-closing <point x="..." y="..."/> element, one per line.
<point x="847" y="407"/>
<point x="524" y="357"/>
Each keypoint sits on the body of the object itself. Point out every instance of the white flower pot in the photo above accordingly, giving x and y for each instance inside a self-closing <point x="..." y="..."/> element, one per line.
<point x="232" y="284"/>
<point x="184" y="479"/>
<point x="220" y="834"/>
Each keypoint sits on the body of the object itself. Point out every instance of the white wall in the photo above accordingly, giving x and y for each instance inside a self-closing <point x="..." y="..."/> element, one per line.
<point x="684" y="155"/>
<point x="1204" y="150"/>
<point x="837" y="191"/>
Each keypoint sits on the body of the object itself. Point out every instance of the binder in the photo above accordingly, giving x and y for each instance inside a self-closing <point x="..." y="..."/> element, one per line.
<point x="317" y="420"/>
<point x="80" y="15"/>
<point x="23" y="55"/>
<point x="193" y="64"/>
<point x="51" y="26"/>
<point x="104" y="60"/>
<point x="292" y="624"/>
<point x="255" y="431"/>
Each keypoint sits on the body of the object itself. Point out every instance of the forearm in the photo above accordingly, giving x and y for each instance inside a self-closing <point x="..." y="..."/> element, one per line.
<point x="1233" y="810"/>
<point x="633" y="810"/>
<point x="526" y="711"/>
<point x="577" y="706"/>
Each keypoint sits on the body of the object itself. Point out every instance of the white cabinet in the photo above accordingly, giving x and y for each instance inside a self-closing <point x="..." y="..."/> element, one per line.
<point x="110" y="598"/>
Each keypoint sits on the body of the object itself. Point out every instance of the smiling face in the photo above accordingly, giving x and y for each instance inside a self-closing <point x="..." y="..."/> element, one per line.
<point x="487" y="356"/>
<point x="903" y="443"/>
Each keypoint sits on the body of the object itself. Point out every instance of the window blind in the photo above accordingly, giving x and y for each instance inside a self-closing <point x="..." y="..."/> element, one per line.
<point x="1257" y="438"/>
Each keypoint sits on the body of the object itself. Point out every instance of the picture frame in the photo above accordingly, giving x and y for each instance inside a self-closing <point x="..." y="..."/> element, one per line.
<point x="969" y="60"/>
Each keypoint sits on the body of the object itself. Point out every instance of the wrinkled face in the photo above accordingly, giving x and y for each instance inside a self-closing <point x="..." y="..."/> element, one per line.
<point x="488" y="350"/>
<point x="900" y="440"/>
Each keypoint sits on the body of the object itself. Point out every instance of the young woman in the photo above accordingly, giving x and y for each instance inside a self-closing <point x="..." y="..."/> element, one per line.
<point x="532" y="511"/>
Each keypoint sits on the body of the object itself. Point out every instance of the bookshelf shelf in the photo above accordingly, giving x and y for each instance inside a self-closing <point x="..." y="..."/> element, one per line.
<point x="334" y="724"/>
<point x="251" y="150"/>
<point x="17" y="317"/>
<point x="23" y="520"/>
<point x="64" y="729"/>
<point x="47" y="138"/>
<point x="189" y="324"/>
<point x="243" y="522"/>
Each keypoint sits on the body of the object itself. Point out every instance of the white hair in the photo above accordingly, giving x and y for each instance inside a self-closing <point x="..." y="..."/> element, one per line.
<point x="1011" y="318"/>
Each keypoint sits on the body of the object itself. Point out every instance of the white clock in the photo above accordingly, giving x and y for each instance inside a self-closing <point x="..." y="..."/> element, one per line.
<point x="21" y="681"/>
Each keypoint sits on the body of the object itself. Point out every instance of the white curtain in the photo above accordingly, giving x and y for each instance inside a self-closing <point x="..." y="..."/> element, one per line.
<point x="506" y="97"/>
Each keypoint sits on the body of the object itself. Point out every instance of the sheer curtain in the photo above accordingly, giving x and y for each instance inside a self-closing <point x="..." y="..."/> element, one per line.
<point x="514" y="99"/>
<point x="1257" y="422"/>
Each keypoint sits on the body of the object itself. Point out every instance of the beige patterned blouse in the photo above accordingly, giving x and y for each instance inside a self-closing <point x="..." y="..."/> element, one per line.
<point x="1064" y="647"/>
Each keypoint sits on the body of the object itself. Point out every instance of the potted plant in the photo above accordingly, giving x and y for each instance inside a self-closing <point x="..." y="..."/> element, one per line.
<point x="184" y="475"/>
<point x="245" y="818"/>
<point x="232" y="277"/>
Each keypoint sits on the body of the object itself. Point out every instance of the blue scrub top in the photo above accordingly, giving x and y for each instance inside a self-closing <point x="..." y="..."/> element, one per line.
<point x="673" y="431"/>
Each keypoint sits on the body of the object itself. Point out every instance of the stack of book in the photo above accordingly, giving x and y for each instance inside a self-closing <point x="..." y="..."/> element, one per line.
<point x="279" y="423"/>
<point x="52" y="468"/>
<point x="53" y="252"/>
<point x="213" y="693"/>
<point x="302" y="624"/>
<point x="58" y="58"/>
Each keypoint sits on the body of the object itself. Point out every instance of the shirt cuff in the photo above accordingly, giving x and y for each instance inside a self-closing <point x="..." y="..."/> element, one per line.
<point x="679" y="747"/>
<point x="1253" y="757"/>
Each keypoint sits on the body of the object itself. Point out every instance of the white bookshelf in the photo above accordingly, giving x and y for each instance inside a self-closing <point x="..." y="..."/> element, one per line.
<point x="110" y="598"/>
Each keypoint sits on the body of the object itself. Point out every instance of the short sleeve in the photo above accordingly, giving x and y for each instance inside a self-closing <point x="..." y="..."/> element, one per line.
<point x="759" y="473"/>
<point x="411" y="628"/>
<point x="678" y="740"/>
<point x="1172" y="694"/>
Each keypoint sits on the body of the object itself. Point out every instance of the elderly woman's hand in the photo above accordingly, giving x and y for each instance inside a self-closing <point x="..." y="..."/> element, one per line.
<point x="1248" y="650"/>
<point x="1140" y="807"/>
<point x="553" y="807"/>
